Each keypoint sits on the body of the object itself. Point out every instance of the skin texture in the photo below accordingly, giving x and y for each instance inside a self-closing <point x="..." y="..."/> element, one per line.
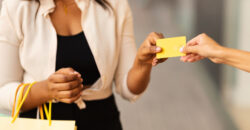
<point x="203" y="46"/>
<point x="65" y="85"/>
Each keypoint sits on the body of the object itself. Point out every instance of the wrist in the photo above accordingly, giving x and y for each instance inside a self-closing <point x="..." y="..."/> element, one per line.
<point x="48" y="93"/>
<point x="141" y="64"/>
<point x="218" y="56"/>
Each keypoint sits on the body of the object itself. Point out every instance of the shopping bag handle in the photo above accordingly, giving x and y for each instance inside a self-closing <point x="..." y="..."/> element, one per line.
<point x="21" y="100"/>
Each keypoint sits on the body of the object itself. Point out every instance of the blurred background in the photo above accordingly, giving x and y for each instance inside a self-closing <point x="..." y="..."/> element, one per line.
<point x="198" y="96"/>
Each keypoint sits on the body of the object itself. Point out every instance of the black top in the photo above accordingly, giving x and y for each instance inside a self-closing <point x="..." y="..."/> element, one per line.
<point x="74" y="52"/>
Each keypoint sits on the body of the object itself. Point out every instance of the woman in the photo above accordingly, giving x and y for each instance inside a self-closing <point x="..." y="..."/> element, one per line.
<point x="203" y="46"/>
<point x="74" y="50"/>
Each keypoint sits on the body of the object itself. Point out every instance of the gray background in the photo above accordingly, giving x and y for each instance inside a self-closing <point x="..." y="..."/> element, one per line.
<point x="180" y="96"/>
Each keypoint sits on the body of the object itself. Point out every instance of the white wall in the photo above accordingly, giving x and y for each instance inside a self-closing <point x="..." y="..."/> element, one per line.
<point x="237" y="35"/>
<point x="231" y="29"/>
<point x="242" y="91"/>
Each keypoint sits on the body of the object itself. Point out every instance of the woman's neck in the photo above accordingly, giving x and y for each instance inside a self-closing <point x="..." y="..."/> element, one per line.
<point x="66" y="2"/>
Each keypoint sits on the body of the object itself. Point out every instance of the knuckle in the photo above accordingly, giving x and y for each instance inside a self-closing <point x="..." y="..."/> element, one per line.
<point x="144" y="50"/>
<point x="68" y="94"/>
<point x="79" y="89"/>
<point x="52" y="88"/>
<point x="64" y="77"/>
<point x="152" y="34"/>
<point x="60" y="70"/>
<point x="147" y="50"/>
<point x="79" y="81"/>
<point x="203" y="35"/>
<point x="69" y="69"/>
<point x="51" y="78"/>
<point x="161" y="35"/>
<point x="71" y="94"/>
<point x="70" y="86"/>
<point x="144" y="47"/>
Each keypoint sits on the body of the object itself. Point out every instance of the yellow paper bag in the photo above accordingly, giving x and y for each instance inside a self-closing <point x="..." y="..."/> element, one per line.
<point x="171" y="47"/>
<point x="34" y="124"/>
<point x="15" y="123"/>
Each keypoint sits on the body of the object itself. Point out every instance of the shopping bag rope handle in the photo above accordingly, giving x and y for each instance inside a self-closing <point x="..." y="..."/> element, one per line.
<point x="19" y="104"/>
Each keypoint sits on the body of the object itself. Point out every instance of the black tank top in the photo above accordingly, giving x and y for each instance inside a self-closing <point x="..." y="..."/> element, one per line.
<point x="74" y="52"/>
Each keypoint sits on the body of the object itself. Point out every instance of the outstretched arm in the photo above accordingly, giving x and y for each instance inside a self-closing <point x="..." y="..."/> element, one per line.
<point x="203" y="46"/>
<point x="139" y="74"/>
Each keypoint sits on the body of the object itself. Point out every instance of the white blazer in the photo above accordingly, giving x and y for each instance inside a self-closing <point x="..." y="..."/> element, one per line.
<point x="28" y="46"/>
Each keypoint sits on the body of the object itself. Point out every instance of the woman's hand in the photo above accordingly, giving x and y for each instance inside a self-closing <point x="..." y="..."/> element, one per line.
<point x="139" y="75"/>
<point x="202" y="47"/>
<point x="147" y="52"/>
<point x="65" y="85"/>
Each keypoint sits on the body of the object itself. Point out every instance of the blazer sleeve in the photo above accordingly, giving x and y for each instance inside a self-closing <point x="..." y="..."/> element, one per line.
<point x="11" y="72"/>
<point x="126" y="57"/>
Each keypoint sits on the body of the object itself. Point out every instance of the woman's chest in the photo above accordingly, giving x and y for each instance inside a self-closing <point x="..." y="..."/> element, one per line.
<point x="67" y="22"/>
<point x="39" y="47"/>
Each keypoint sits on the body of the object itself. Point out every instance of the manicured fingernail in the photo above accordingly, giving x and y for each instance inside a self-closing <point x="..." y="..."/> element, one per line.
<point x="74" y="73"/>
<point x="158" y="49"/>
<point x="181" y="49"/>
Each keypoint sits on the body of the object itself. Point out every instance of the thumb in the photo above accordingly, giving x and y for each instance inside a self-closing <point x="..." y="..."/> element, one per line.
<point x="190" y="49"/>
<point x="68" y="70"/>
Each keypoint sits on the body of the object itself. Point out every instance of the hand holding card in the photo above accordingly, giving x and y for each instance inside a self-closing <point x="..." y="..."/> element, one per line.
<point x="171" y="47"/>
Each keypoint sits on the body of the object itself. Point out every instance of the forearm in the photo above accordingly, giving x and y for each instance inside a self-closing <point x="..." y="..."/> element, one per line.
<point x="138" y="77"/>
<point x="38" y="95"/>
<point x="236" y="58"/>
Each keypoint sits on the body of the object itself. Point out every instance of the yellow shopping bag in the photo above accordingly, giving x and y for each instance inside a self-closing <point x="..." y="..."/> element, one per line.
<point x="15" y="123"/>
<point x="34" y="124"/>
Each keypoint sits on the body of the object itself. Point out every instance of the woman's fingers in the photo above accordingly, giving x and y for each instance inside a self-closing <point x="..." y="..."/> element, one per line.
<point x="62" y="78"/>
<point x="152" y="50"/>
<point x="70" y="93"/>
<point x="191" y="58"/>
<point x="148" y="50"/>
<point x="162" y="60"/>
<point x="68" y="85"/>
<point x="153" y="37"/>
<point x="149" y="47"/>
<point x="158" y="61"/>
<point x="191" y="49"/>
<point x="186" y="58"/>
<point x="154" y="62"/>
<point x="68" y="71"/>
<point x="70" y="100"/>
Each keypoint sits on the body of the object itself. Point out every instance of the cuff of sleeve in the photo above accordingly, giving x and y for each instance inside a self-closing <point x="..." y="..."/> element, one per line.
<point x="7" y="97"/>
<point x="127" y="93"/>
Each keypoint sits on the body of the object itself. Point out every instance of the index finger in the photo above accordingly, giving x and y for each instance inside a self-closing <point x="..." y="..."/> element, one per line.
<point x="153" y="37"/>
<point x="68" y="71"/>
<point x="195" y="40"/>
<point x="62" y="78"/>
